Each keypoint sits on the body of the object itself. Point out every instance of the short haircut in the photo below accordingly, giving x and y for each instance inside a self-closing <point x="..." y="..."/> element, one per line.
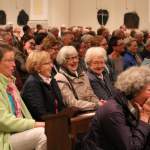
<point x="64" y="53"/>
<point x="147" y="42"/>
<point x="93" y="52"/>
<point x="132" y="80"/>
<point x="5" y="48"/>
<point x="49" y="42"/>
<point x="128" y="41"/>
<point x="26" y="28"/>
<point x="35" y="59"/>
<point x="98" y="39"/>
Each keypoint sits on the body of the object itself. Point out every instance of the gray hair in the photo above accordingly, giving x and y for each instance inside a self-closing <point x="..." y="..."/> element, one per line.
<point x="94" y="51"/>
<point x="65" y="52"/>
<point x="133" y="80"/>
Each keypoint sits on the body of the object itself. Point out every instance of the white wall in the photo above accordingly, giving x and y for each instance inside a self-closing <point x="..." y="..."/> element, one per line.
<point x="58" y="12"/>
<point x="12" y="8"/>
<point x="83" y="12"/>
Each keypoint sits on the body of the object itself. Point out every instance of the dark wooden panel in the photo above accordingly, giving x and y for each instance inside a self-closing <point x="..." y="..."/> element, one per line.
<point x="62" y="129"/>
<point x="56" y="129"/>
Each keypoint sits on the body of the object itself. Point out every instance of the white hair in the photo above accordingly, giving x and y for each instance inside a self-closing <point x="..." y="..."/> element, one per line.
<point x="94" y="52"/>
<point x="65" y="52"/>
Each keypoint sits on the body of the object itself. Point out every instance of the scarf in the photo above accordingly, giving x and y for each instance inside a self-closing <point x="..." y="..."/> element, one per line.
<point x="12" y="90"/>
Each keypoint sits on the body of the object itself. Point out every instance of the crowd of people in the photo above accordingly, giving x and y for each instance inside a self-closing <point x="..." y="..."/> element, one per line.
<point x="43" y="71"/>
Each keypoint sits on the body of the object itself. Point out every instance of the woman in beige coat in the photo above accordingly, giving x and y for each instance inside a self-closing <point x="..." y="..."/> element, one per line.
<point x="75" y="86"/>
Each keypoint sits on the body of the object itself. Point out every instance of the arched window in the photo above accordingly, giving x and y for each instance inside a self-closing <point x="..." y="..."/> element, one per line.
<point x="2" y="17"/>
<point x="23" y="18"/>
<point x="102" y="16"/>
<point x="131" y="20"/>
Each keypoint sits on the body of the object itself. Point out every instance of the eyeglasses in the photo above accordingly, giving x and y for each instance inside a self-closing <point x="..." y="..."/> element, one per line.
<point x="8" y="60"/>
<point x="72" y="58"/>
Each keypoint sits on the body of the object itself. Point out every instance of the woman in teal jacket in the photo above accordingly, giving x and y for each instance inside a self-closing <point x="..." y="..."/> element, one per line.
<point x="18" y="131"/>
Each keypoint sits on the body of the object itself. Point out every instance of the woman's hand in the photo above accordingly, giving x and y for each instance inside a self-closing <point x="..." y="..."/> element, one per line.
<point x="146" y="107"/>
<point x="144" y="111"/>
<point x="39" y="124"/>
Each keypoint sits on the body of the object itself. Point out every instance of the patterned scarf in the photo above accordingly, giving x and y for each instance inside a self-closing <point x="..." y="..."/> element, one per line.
<point x="12" y="90"/>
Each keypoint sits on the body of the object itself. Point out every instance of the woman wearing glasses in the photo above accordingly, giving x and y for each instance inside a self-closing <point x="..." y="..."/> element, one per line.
<point x="74" y="85"/>
<point x="18" y="131"/>
<point x="41" y="93"/>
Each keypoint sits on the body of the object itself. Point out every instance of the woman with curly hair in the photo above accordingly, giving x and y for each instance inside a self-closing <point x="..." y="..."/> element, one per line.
<point x="123" y="123"/>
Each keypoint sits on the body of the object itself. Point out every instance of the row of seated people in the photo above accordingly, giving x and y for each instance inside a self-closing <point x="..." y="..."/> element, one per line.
<point x="69" y="87"/>
<point x="44" y="94"/>
<point x="123" y="50"/>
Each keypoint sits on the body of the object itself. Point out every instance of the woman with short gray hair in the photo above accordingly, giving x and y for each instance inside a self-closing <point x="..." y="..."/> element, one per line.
<point x="124" y="123"/>
<point x="65" y="52"/>
<point x="133" y="80"/>
<point x="74" y="86"/>
<point x="93" y="52"/>
<point x="95" y="59"/>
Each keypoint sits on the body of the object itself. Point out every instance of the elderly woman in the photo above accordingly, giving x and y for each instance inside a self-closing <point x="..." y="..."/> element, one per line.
<point x="18" y="131"/>
<point x="41" y="93"/>
<point x="95" y="59"/>
<point x="123" y="123"/>
<point x="102" y="42"/>
<point x="131" y="57"/>
<point x="75" y="86"/>
<point x="146" y="52"/>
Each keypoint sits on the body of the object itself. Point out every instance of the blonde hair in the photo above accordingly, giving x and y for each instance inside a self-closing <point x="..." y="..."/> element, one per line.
<point x="133" y="80"/>
<point x="35" y="60"/>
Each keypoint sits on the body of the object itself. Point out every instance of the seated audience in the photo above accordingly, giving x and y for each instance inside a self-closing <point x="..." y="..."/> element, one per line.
<point x="18" y="131"/>
<point x="123" y="123"/>
<point x="82" y="48"/>
<point x="117" y="45"/>
<point x="131" y="57"/>
<point x="103" y="32"/>
<point x="95" y="59"/>
<point x="74" y="85"/>
<point x="146" y="52"/>
<point x="40" y="92"/>
<point x="52" y="46"/>
<point x="102" y="42"/>
<point x="20" y="60"/>
<point x="67" y="38"/>
<point x="139" y="36"/>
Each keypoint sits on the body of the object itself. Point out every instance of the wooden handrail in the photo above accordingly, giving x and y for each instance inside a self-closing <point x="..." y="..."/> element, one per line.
<point x="62" y="129"/>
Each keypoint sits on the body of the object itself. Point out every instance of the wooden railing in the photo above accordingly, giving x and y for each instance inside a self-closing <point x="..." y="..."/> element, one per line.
<point x="62" y="129"/>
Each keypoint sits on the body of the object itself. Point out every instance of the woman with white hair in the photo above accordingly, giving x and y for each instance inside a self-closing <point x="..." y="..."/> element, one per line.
<point x="95" y="59"/>
<point x="124" y="123"/>
<point x="74" y="86"/>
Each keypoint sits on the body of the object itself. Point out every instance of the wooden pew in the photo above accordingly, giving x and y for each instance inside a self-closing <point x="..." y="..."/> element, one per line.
<point x="62" y="129"/>
<point x="80" y="124"/>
